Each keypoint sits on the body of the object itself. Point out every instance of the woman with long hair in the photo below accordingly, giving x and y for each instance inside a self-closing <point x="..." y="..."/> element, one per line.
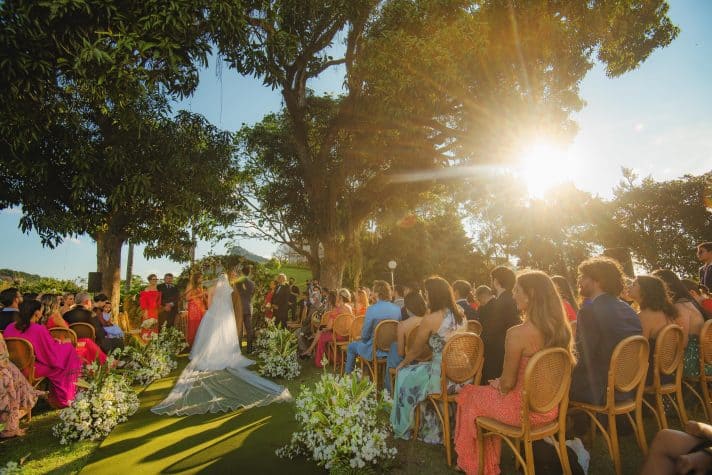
<point x="86" y="348"/>
<point x="197" y="301"/>
<point x="414" y="382"/>
<point x="269" y="311"/>
<point x="567" y="296"/>
<point x="361" y="303"/>
<point x="150" y="302"/>
<point x="545" y="326"/>
<point x="340" y="303"/>
<point x="415" y="308"/>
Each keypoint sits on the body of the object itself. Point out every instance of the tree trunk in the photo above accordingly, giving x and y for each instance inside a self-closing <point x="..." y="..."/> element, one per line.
<point x="129" y="268"/>
<point x="108" y="262"/>
<point x="333" y="263"/>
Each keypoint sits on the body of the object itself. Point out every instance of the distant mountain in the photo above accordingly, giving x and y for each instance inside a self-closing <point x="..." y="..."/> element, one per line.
<point x="18" y="275"/>
<point x="241" y="251"/>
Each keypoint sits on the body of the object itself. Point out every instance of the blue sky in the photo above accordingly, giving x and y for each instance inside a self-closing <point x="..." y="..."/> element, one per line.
<point x="655" y="119"/>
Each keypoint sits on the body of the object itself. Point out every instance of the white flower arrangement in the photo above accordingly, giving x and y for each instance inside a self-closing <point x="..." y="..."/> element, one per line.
<point x="149" y="323"/>
<point x="146" y="363"/>
<point x="277" y="349"/>
<point x="343" y="425"/>
<point x="11" y="468"/>
<point x="95" y="411"/>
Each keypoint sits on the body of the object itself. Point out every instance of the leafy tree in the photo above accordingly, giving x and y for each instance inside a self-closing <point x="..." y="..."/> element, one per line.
<point x="428" y="85"/>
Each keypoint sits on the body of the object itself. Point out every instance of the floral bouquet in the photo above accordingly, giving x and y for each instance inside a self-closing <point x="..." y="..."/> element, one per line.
<point x="343" y="426"/>
<point x="107" y="401"/>
<point x="277" y="349"/>
<point x="149" y="323"/>
<point x="146" y="363"/>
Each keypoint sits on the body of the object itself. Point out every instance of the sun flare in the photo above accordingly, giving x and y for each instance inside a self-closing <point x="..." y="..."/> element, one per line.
<point x="543" y="165"/>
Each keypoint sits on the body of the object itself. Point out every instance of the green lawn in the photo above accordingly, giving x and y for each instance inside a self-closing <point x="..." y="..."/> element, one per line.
<point x="300" y="274"/>
<point x="216" y="443"/>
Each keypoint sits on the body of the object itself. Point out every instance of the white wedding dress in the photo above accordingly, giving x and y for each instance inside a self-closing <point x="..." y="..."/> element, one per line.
<point x="217" y="378"/>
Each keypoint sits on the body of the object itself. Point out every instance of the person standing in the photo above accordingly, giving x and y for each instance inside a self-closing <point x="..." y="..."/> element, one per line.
<point x="246" y="289"/>
<point x="169" y="301"/>
<point x="704" y="254"/>
<point x="293" y="297"/>
<point x="197" y="299"/>
<point x="280" y="300"/>
<point x="10" y="299"/>
<point x="150" y="302"/>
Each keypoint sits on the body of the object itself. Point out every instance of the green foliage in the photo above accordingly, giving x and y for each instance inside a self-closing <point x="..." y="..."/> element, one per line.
<point x="40" y="285"/>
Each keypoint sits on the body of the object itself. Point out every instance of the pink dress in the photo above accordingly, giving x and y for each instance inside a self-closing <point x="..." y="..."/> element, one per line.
<point x="326" y="336"/>
<point x="57" y="362"/>
<point x="486" y="401"/>
<point x="15" y="394"/>
<point x="87" y="350"/>
<point x="150" y="301"/>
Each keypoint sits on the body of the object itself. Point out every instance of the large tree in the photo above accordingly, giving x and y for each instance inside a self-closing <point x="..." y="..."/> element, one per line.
<point x="427" y="85"/>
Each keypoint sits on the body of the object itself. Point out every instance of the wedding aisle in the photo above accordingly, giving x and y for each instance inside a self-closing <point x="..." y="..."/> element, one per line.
<point x="208" y="443"/>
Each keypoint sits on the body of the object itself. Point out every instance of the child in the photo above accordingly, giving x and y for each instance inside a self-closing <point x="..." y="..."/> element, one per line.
<point x="112" y="330"/>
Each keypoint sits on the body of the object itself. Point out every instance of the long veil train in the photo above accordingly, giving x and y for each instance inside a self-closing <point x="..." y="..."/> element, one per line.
<point x="217" y="378"/>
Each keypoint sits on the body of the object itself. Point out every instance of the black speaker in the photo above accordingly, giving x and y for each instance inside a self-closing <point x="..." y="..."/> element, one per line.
<point x="622" y="255"/>
<point x="94" y="282"/>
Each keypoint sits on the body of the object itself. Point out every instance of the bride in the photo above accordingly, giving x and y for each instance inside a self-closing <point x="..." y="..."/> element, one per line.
<point x="217" y="378"/>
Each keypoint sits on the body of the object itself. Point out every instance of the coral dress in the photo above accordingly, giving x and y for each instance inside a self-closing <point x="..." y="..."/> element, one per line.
<point x="326" y="336"/>
<point x="87" y="350"/>
<point x="150" y="302"/>
<point x="196" y="310"/>
<point x="268" y="305"/>
<point x="486" y="401"/>
<point x="16" y="393"/>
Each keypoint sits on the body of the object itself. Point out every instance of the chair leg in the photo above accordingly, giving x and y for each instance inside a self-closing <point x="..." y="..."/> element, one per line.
<point x="446" y="431"/>
<point x="529" y="457"/>
<point x="615" y="448"/>
<point x="682" y="411"/>
<point x="481" y="451"/>
<point x="706" y="397"/>
<point x="563" y="452"/>
<point x="416" y="421"/>
<point x="660" y="409"/>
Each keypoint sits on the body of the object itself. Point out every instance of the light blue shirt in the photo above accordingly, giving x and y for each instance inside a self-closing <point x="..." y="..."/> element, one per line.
<point x="381" y="310"/>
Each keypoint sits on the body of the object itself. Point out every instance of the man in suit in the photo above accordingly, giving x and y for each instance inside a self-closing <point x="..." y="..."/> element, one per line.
<point x="169" y="301"/>
<point x="10" y="298"/>
<point x="704" y="254"/>
<point x="461" y="289"/>
<point x="503" y="315"/>
<point x="601" y="325"/>
<point x="383" y="309"/>
<point x="81" y="313"/>
<point x="280" y="300"/>
<point x="245" y="287"/>
<point x="293" y="297"/>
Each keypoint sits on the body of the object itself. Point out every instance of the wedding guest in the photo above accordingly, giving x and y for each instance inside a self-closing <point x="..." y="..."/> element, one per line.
<point x="280" y="300"/>
<point x="483" y="295"/>
<point x="67" y="303"/>
<point x="383" y="309"/>
<point x="169" y="301"/>
<point x="269" y="311"/>
<point x="414" y="382"/>
<point x="110" y="327"/>
<point x="497" y="321"/>
<point x="699" y="294"/>
<point x="58" y="362"/>
<point x="398" y="294"/>
<point x="341" y="303"/>
<point x="81" y="313"/>
<point x="704" y="254"/>
<point x="16" y="395"/>
<point x="293" y="297"/>
<point x="567" y="297"/>
<point x="86" y="348"/>
<point x="462" y="290"/>
<point x="29" y="296"/>
<point x="197" y="301"/>
<point x="361" y="302"/>
<point x="601" y="325"/>
<point x="10" y="299"/>
<point x="674" y="452"/>
<point x="415" y="308"/>
<point x="545" y="326"/>
<point x="689" y="313"/>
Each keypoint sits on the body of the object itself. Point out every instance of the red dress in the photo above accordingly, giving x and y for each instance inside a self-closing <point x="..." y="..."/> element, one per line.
<point x="326" y="336"/>
<point x="570" y="312"/>
<point x="196" y="310"/>
<point x="87" y="350"/>
<point x="486" y="401"/>
<point x="268" y="304"/>
<point x="150" y="302"/>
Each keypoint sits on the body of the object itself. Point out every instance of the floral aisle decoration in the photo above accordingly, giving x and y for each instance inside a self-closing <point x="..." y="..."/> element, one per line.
<point x="344" y="427"/>
<point x="107" y="401"/>
<point x="277" y="349"/>
<point x="156" y="359"/>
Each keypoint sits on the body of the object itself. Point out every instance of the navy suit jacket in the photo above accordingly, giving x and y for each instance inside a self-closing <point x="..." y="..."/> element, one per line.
<point x="6" y="318"/>
<point x="502" y="315"/>
<point x="600" y="326"/>
<point x="706" y="275"/>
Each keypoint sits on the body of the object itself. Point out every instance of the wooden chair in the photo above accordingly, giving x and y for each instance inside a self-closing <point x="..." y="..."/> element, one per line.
<point x="626" y="373"/>
<point x="340" y="328"/>
<point x="474" y="326"/>
<point x="667" y="361"/>
<point x="384" y="334"/>
<point x="462" y="360"/>
<point x="703" y="379"/>
<point x="84" y="330"/>
<point x="64" y="334"/>
<point x="425" y="355"/>
<point x="573" y="329"/>
<point x="354" y="335"/>
<point x="22" y="354"/>
<point x="547" y="378"/>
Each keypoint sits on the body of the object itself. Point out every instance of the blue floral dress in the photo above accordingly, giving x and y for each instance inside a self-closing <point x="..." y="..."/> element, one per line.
<point x="415" y="382"/>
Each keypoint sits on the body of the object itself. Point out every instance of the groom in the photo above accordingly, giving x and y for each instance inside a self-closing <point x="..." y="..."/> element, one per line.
<point x="280" y="300"/>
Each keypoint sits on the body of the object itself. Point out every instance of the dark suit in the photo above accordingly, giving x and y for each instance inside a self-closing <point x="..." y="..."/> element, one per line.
<point x="470" y="313"/>
<point x="169" y="294"/>
<point x="246" y="288"/>
<point x="79" y="314"/>
<point x="280" y="299"/>
<point x="600" y="326"/>
<point x="495" y="323"/>
<point x="7" y="316"/>
<point x="706" y="275"/>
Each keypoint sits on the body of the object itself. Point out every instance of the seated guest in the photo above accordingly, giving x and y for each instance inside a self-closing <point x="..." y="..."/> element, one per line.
<point x="10" y="299"/>
<point x="16" y="394"/>
<point x="462" y="290"/>
<point x="699" y="294"/>
<point x="497" y="321"/>
<point x="656" y="312"/>
<point x="673" y="452"/>
<point x="483" y="296"/>
<point x="383" y="309"/>
<point x="110" y="327"/>
<point x="415" y="382"/>
<point x="340" y="303"/>
<point x="67" y="303"/>
<point x="415" y="308"/>
<point x="689" y="313"/>
<point x="398" y="295"/>
<point x="601" y="325"/>
<point x="29" y="296"/>
<point x="58" y="362"/>
<point x="81" y="312"/>
<point x="567" y="296"/>
<point x="545" y="326"/>
<point x="86" y="348"/>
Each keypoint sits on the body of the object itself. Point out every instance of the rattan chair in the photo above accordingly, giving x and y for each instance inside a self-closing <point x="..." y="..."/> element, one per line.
<point x="547" y="378"/>
<point x="474" y="326"/>
<point x="703" y="379"/>
<point x="64" y="334"/>
<point x="573" y="329"/>
<point x="354" y="335"/>
<point x="22" y="354"/>
<point x="626" y="373"/>
<point x="340" y="328"/>
<point x="462" y="360"/>
<point x="84" y="330"/>
<point x="384" y="334"/>
<point x="667" y="361"/>
<point x="425" y="355"/>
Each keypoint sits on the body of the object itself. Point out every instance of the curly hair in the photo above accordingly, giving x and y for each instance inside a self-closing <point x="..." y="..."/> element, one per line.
<point x="606" y="271"/>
